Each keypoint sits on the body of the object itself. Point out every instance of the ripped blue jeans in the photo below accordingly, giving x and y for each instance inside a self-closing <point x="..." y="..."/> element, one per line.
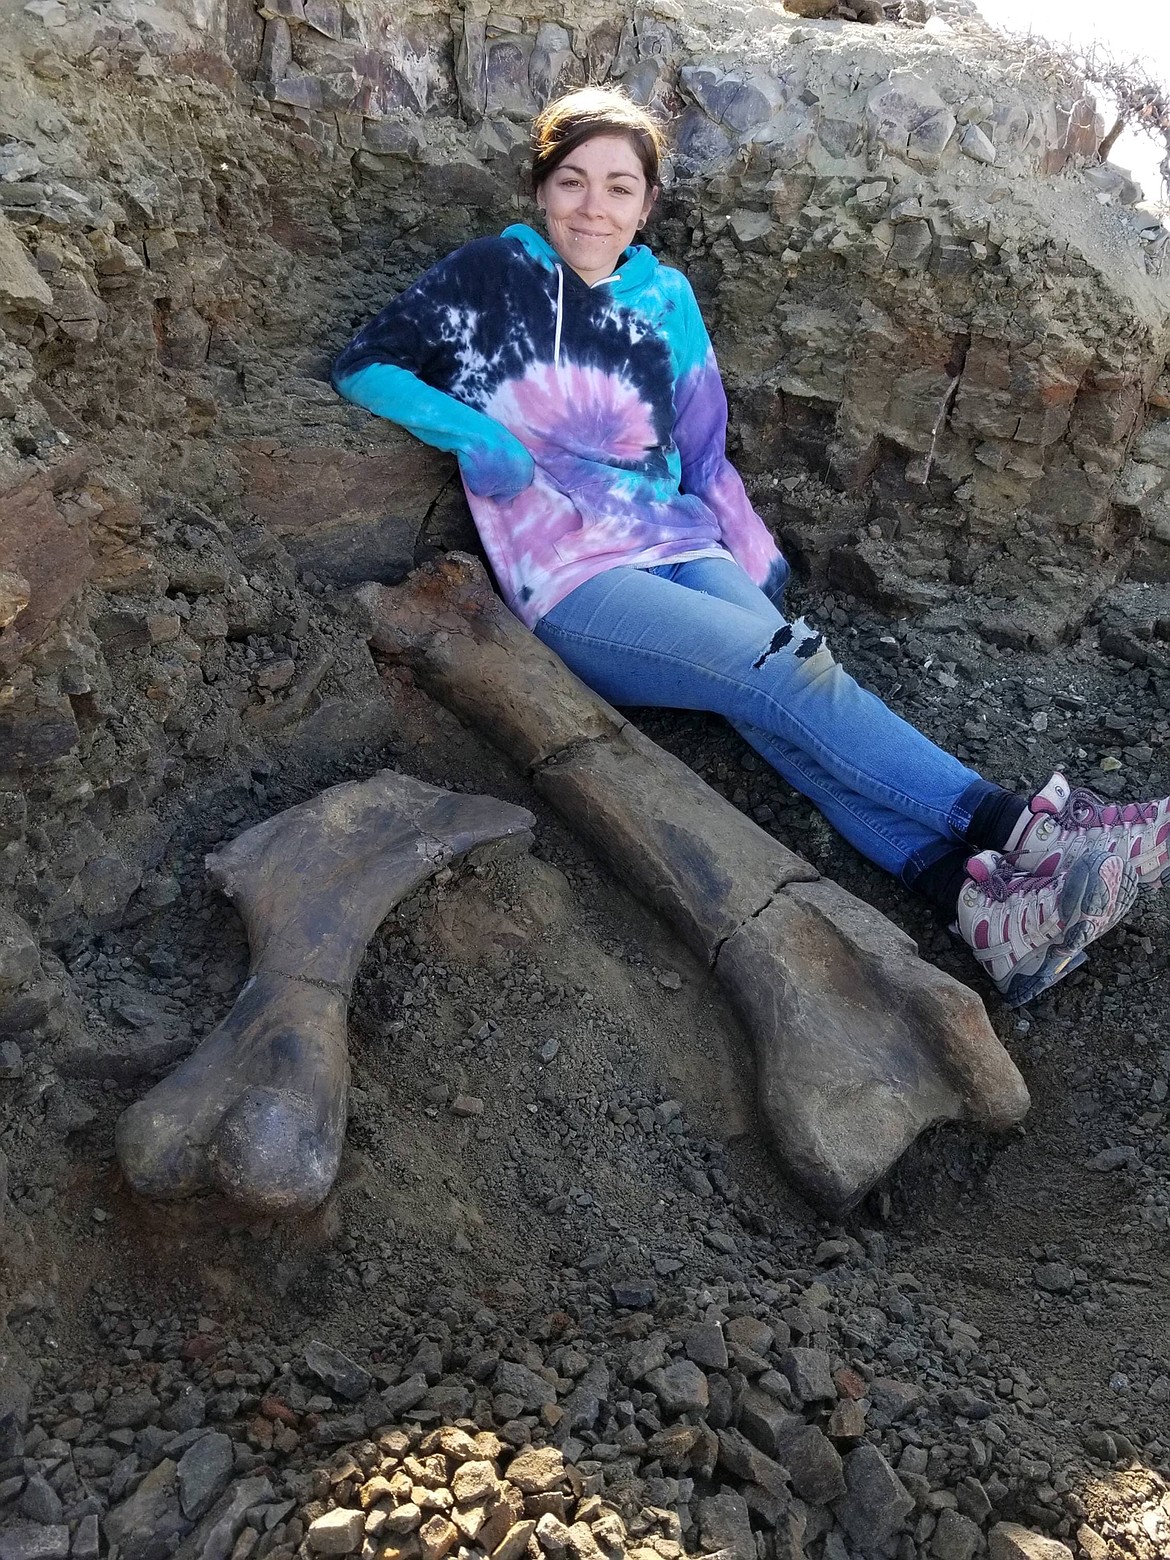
<point x="701" y="636"/>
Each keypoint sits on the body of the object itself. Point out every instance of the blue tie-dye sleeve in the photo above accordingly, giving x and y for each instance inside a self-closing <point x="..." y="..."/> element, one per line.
<point x="700" y="432"/>
<point x="404" y="363"/>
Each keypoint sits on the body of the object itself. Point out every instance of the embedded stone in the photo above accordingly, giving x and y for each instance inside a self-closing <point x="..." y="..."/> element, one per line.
<point x="977" y="145"/>
<point x="33" y="1541"/>
<point x="537" y="1469"/>
<point x="337" y="1372"/>
<point x="21" y="284"/>
<point x="876" y="1502"/>
<point x="474" y="1482"/>
<point x="809" y="1372"/>
<point x="955" y="1537"/>
<point x="515" y="1541"/>
<point x="438" y="1537"/>
<point x="148" y="1524"/>
<point x="517" y="1380"/>
<point x="814" y="1464"/>
<point x="680" y="1388"/>
<point x="1009" y="1541"/>
<point x="338" y="1532"/>
<point x="203" y="1471"/>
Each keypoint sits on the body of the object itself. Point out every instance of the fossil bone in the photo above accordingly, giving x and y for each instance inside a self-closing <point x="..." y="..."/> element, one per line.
<point x="258" y="1109"/>
<point x="859" y="1044"/>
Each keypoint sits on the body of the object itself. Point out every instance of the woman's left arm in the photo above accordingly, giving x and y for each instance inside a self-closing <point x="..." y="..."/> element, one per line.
<point x="700" y="432"/>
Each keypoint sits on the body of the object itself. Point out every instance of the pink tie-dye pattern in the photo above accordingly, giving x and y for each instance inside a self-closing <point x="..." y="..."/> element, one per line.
<point x="586" y="509"/>
<point x="544" y="543"/>
<point x="575" y="411"/>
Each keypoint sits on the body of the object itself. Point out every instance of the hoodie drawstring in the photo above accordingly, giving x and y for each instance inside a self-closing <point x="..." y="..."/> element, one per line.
<point x="560" y="306"/>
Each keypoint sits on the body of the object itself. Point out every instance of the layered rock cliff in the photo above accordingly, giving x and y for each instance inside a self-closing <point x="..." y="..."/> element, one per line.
<point x="943" y="325"/>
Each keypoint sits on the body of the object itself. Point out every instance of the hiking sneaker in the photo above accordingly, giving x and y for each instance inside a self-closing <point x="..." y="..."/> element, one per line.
<point x="1028" y="930"/>
<point x="1063" y="822"/>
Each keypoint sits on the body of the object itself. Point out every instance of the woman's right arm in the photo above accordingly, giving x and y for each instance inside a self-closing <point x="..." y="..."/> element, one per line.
<point x="390" y="365"/>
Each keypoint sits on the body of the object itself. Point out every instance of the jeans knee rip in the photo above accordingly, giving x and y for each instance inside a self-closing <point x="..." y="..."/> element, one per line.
<point x="808" y="643"/>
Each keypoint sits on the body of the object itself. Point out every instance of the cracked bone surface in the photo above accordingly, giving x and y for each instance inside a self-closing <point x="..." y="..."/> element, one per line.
<point x="257" y="1111"/>
<point x="859" y="1043"/>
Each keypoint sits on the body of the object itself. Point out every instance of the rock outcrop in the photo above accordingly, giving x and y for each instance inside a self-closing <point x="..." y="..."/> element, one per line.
<point x="924" y="293"/>
<point x="944" y="330"/>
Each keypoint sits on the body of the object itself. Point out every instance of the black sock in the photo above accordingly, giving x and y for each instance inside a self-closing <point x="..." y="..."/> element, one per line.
<point x="994" y="819"/>
<point x="942" y="881"/>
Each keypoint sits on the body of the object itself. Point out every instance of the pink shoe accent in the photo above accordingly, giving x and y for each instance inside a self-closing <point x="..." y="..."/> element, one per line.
<point x="1063" y="822"/>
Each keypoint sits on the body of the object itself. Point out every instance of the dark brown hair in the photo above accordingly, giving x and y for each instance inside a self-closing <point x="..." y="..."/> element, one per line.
<point x="576" y="117"/>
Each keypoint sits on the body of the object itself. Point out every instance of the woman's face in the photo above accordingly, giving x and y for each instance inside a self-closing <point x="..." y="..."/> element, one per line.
<point x="594" y="202"/>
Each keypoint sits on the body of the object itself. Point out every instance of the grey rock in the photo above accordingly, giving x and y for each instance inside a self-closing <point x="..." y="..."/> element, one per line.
<point x="145" y="1525"/>
<point x="752" y="1333"/>
<point x="955" y="1537"/>
<point x="767" y="1422"/>
<point x="407" y="1394"/>
<point x="814" y="1463"/>
<point x="973" y="1500"/>
<point x="450" y="1397"/>
<point x="745" y="1461"/>
<point x="583" y="1405"/>
<point x="1054" y="1277"/>
<point x="680" y="1388"/>
<point x="214" y="1537"/>
<point x="876" y="1503"/>
<point x="725" y="1525"/>
<point x="131" y="1411"/>
<point x="1123" y="1157"/>
<point x="187" y="1412"/>
<point x="810" y="1375"/>
<point x="11" y="1059"/>
<point x="976" y="144"/>
<point x="892" y="1400"/>
<point x="518" y="1381"/>
<point x="32" y="1541"/>
<point x="20" y="959"/>
<point x="646" y="1356"/>
<point x="40" y="1501"/>
<point x="637" y="1294"/>
<point x="336" y="1371"/>
<point x="702" y="144"/>
<point x="86" y="1541"/>
<point x="706" y="1345"/>
<point x="428" y="1359"/>
<point x="203" y="1472"/>
<point x="339" y="1429"/>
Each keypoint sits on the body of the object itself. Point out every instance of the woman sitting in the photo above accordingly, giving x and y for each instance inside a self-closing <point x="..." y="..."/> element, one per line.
<point x="573" y="377"/>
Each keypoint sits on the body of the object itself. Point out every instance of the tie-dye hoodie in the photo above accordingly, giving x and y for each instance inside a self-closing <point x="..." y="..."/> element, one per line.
<point x="589" y="421"/>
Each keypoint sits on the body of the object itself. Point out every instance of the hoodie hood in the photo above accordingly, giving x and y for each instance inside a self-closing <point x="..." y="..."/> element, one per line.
<point x="634" y="273"/>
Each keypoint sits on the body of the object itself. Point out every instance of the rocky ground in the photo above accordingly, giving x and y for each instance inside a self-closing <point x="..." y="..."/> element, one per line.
<point x="561" y="1304"/>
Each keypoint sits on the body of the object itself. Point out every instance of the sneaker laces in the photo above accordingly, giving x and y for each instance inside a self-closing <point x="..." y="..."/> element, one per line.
<point x="1002" y="882"/>
<point x="1088" y="810"/>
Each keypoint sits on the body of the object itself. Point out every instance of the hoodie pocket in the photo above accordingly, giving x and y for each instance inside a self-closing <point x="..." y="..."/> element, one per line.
<point x="592" y="536"/>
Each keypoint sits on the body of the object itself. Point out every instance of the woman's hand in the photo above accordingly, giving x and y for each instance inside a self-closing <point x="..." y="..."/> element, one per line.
<point x="498" y="471"/>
